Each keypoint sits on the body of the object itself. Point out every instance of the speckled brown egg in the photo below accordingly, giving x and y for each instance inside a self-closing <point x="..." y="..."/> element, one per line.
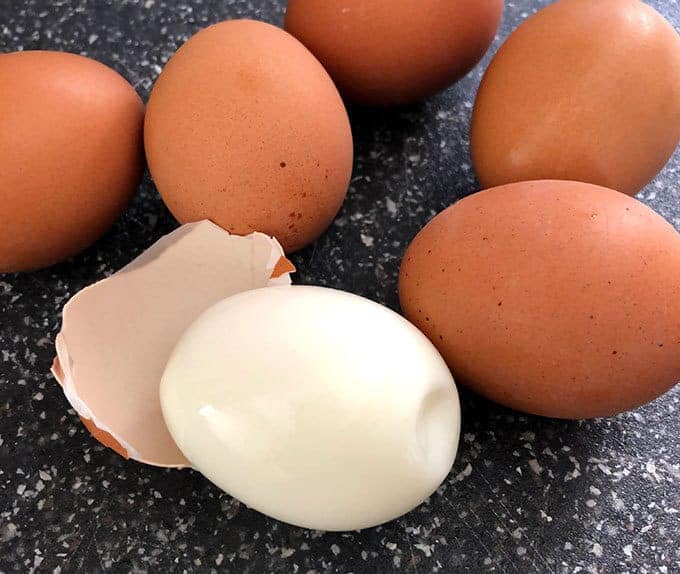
<point x="551" y="297"/>
<point x="395" y="51"/>
<point x="71" y="155"/>
<point x="585" y="91"/>
<point x="245" y="127"/>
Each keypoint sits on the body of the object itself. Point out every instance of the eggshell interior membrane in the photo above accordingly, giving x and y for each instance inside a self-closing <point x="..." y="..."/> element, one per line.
<point x="555" y="298"/>
<point x="583" y="91"/>
<point x="394" y="51"/>
<point x="245" y="127"/>
<point x="71" y="155"/>
<point x="117" y="334"/>
<point x="349" y="419"/>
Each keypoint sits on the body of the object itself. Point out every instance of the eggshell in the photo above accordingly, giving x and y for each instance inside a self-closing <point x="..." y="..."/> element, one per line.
<point x="70" y="155"/>
<point x="395" y="51"/>
<point x="117" y="334"/>
<point x="350" y="420"/>
<point x="551" y="297"/>
<point x="245" y="128"/>
<point x="585" y="91"/>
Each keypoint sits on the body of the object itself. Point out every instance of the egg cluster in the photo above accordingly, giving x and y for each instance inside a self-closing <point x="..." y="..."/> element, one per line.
<point x="553" y="291"/>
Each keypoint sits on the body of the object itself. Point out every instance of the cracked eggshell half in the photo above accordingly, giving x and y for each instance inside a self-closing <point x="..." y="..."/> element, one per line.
<point x="117" y="334"/>
<point x="350" y="420"/>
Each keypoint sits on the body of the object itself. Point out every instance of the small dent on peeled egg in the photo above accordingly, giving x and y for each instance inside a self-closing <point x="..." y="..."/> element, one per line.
<point x="435" y="427"/>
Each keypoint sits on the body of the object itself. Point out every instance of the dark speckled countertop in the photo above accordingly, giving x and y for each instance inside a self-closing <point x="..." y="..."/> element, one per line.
<point x="526" y="494"/>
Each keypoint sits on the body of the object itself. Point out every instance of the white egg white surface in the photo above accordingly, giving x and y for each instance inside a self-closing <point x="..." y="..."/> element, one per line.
<point x="314" y="406"/>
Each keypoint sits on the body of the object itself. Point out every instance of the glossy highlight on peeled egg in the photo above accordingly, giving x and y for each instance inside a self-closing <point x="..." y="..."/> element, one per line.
<point x="314" y="406"/>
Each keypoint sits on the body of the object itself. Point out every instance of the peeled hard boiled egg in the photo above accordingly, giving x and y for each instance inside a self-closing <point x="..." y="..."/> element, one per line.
<point x="71" y="155"/>
<point x="244" y="127"/>
<point x="584" y="91"/>
<point x="313" y="406"/>
<point x="395" y="51"/>
<point x="552" y="297"/>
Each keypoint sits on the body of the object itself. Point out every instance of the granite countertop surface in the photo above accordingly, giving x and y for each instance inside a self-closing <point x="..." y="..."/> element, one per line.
<point x="526" y="494"/>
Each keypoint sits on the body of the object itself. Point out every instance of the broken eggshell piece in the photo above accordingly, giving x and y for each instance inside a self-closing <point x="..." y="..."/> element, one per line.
<point x="117" y="334"/>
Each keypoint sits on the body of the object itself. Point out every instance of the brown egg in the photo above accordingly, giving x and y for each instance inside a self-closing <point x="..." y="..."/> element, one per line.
<point x="395" y="51"/>
<point x="71" y="155"/>
<point x="244" y="127"/>
<point x="551" y="297"/>
<point x="585" y="91"/>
